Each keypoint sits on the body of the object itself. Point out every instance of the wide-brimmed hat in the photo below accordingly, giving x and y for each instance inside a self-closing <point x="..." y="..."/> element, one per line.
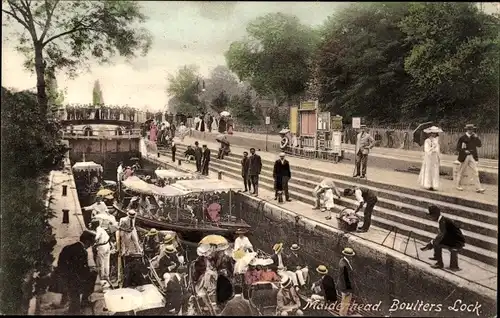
<point x="131" y="213"/>
<point x="322" y="269"/>
<point x="285" y="281"/>
<point x="433" y="130"/>
<point x="362" y="126"/>
<point x="470" y="126"/>
<point x="241" y="231"/>
<point x="295" y="247"/>
<point x="169" y="238"/>
<point x="282" y="154"/>
<point x="348" y="251"/>
<point x="433" y="210"/>
<point x="152" y="232"/>
<point x="278" y="247"/>
<point x="267" y="262"/>
<point x="203" y="250"/>
<point x="169" y="249"/>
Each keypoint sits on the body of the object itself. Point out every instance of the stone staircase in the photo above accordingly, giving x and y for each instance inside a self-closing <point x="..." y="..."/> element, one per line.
<point x="398" y="209"/>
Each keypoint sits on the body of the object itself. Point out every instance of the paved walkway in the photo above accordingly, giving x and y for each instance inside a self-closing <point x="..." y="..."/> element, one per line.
<point x="382" y="152"/>
<point x="380" y="175"/>
<point x="472" y="270"/>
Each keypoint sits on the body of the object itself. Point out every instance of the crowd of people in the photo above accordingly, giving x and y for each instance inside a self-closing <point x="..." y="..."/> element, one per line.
<point x="101" y="111"/>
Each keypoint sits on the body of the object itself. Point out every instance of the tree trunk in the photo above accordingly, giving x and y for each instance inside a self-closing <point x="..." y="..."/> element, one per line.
<point x="41" y="94"/>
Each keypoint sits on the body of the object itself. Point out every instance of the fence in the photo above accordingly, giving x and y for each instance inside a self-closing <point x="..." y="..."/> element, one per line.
<point x="400" y="139"/>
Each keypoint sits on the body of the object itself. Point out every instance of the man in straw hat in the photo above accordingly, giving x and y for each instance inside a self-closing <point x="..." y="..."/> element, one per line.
<point x="242" y="242"/>
<point x="168" y="261"/>
<point x="128" y="240"/>
<point x="364" y="142"/>
<point x="288" y="302"/>
<point x="294" y="270"/>
<point x="468" y="157"/>
<point x="98" y="207"/>
<point x="344" y="280"/>
<point x="278" y="257"/>
<point x="151" y="243"/>
<point x="324" y="288"/>
<point x="363" y="196"/>
<point x="102" y="250"/>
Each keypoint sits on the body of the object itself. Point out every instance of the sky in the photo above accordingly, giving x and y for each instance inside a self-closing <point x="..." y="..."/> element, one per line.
<point x="183" y="33"/>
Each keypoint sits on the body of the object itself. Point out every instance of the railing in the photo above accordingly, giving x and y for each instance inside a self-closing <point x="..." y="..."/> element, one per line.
<point x="109" y="113"/>
<point x="90" y="133"/>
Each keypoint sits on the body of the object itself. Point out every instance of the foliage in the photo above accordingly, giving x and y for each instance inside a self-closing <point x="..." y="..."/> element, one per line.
<point x="276" y="55"/>
<point x="185" y="87"/>
<point x="97" y="98"/>
<point x="220" y="102"/>
<point x="220" y="87"/>
<point x="241" y="108"/>
<point x="31" y="145"/>
<point x="55" y="96"/>
<point x="68" y="34"/>
<point x="453" y="62"/>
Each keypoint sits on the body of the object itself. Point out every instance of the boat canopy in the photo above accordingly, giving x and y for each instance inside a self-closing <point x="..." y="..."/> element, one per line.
<point x="87" y="166"/>
<point x="137" y="185"/>
<point x="172" y="174"/>
<point x="206" y="185"/>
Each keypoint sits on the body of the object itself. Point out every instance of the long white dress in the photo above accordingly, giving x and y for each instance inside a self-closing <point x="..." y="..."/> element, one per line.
<point x="429" y="173"/>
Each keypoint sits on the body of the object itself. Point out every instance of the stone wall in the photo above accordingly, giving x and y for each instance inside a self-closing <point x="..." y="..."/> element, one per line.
<point x="381" y="274"/>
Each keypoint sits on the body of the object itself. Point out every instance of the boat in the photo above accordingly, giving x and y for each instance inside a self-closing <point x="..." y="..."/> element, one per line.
<point x="174" y="207"/>
<point x="262" y="295"/>
<point x="169" y="176"/>
<point x="88" y="178"/>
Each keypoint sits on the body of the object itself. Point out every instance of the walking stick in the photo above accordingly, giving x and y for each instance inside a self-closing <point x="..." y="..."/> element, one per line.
<point x="120" y="269"/>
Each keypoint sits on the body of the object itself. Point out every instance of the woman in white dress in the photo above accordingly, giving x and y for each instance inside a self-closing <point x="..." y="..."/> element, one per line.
<point x="429" y="173"/>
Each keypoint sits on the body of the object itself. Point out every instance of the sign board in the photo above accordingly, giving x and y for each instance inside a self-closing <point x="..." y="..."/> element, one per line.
<point x="356" y="122"/>
<point x="268" y="120"/>
<point x="309" y="105"/>
<point x="336" y="143"/>
<point x="336" y="123"/>
<point x="294" y="119"/>
<point x="324" y="121"/>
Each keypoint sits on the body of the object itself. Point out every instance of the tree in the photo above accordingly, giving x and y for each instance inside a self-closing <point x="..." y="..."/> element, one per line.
<point x="453" y="62"/>
<point x="185" y="87"/>
<point x="242" y="109"/>
<point x="55" y="96"/>
<point x="97" y="98"/>
<point x="359" y="68"/>
<point x="68" y="34"/>
<point x="275" y="56"/>
<point x="221" y="85"/>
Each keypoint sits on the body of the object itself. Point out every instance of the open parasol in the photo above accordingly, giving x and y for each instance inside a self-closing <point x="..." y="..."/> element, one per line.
<point x="104" y="193"/>
<point x="214" y="240"/>
<point x="418" y="134"/>
<point x="123" y="300"/>
<point x="222" y="139"/>
<point x="225" y="113"/>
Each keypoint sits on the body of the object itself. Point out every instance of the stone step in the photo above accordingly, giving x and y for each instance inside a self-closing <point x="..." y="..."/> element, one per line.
<point x="465" y="208"/>
<point x="424" y="230"/>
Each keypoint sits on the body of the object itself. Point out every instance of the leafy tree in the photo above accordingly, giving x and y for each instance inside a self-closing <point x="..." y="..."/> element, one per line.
<point x="97" y="98"/>
<point x="220" y="102"/>
<point x="453" y="62"/>
<point x="27" y="239"/>
<point x="242" y="109"/>
<point x="186" y="87"/>
<point x="68" y="34"/>
<point x="55" y="96"/>
<point x="359" y="68"/>
<point x="221" y="85"/>
<point x="275" y="56"/>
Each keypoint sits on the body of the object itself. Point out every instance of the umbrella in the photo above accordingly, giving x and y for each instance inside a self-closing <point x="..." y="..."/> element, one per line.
<point x="104" y="193"/>
<point x="222" y="139"/>
<point x="123" y="300"/>
<point x="418" y="134"/>
<point x="214" y="240"/>
<point x="110" y="182"/>
<point x="224" y="113"/>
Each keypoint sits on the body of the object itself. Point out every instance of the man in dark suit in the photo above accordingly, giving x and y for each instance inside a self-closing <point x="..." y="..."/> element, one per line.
<point x="281" y="175"/>
<point x="325" y="286"/>
<point x="205" y="160"/>
<point x="254" y="169"/>
<point x="197" y="156"/>
<point x="450" y="237"/>
<point x="173" y="293"/>
<point x="345" y="283"/>
<point x="73" y="267"/>
<point x="467" y="156"/>
<point x="238" y="306"/>
<point x="244" y="172"/>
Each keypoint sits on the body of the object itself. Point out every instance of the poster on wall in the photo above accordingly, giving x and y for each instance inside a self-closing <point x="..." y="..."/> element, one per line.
<point x="356" y="122"/>
<point x="294" y="119"/>
<point x="324" y="121"/>
<point x="336" y="144"/>
<point x="336" y="123"/>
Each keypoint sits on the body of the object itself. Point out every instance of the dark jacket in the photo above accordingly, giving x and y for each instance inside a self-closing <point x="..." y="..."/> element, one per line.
<point x="197" y="153"/>
<point x="223" y="289"/>
<point x="206" y="156"/>
<point x="449" y="234"/>
<point x="282" y="169"/>
<point x="73" y="261"/>
<point x="190" y="152"/>
<point x="238" y="306"/>
<point x="173" y="294"/>
<point x="471" y="144"/>
<point x="166" y="261"/>
<point x="244" y="166"/>
<point x="344" y="279"/>
<point x="254" y="165"/>
<point x="328" y="290"/>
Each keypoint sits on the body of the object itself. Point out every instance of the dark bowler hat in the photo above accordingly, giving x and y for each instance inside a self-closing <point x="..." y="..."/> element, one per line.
<point x="434" y="210"/>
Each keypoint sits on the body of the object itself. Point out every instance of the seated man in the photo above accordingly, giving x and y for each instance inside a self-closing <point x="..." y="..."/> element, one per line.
<point x="189" y="154"/>
<point x="288" y="301"/>
<point x="324" y="288"/>
<point x="151" y="243"/>
<point x="173" y="293"/>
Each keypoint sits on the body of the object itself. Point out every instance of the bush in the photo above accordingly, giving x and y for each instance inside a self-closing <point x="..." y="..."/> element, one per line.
<point x="31" y="147"/>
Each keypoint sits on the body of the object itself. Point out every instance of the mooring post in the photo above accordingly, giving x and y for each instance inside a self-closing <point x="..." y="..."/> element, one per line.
<point x="219" y="175"/>
<point x="65" y="219"/>
<point x="179" y="162"/>
<point x="158" y="154"/>
<point x="64" y="190"/>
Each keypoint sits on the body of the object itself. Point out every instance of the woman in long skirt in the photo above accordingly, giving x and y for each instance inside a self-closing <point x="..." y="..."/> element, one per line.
<point x="429" y="173"/>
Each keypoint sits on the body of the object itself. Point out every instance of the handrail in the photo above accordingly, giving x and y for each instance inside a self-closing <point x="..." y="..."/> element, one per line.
<point x="89" y="132"/>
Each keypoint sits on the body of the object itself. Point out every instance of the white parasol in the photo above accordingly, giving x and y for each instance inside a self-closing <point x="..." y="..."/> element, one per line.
<point x="123" y="300"/>
<point x="225" y="113"/>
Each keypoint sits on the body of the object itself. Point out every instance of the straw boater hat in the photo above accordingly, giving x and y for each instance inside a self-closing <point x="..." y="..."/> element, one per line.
<point x="295" y="247"/>
<point x="203" y="250"/>
<point x="433" y="130"/>
<point x="131" y="213"/>
<point x="282" y="154"/>
<point x="470" y="126"/>
<point x="348" y="251"/>
<point x="278" y="247"/>
<point x="169" y="249"/>
<point x="241" y="231"/>
<point x="285" y="281"/>
<point x="168" y="239"/>
<point x="152" y="232"/>
<point x="322" y="269"/>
